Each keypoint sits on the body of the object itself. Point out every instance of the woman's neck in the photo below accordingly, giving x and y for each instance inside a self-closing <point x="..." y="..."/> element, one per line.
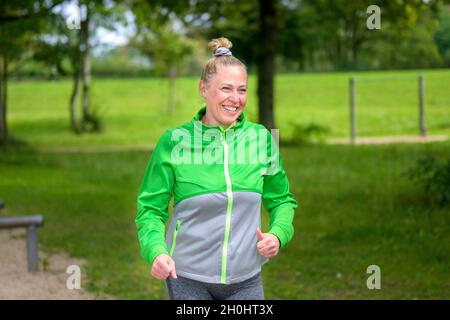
<point x="210" y="121"/>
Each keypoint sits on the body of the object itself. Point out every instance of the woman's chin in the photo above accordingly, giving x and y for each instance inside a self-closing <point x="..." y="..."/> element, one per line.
<point x="228" y="119"/>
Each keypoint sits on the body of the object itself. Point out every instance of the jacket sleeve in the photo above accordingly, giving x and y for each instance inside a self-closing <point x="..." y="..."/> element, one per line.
<point x="153" y="200"/>
<point x="276" y="197"/>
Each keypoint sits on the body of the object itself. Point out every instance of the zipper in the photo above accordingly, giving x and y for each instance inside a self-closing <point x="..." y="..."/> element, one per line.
<point x="223" y="277"/>
<point x="174" y="237"/>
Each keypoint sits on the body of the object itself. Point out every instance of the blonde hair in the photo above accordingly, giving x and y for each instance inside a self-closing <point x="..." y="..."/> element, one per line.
<point x="211" y="65"/>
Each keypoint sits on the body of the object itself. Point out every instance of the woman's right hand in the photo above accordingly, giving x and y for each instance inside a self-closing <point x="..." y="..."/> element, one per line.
<point x="163" y="266"/>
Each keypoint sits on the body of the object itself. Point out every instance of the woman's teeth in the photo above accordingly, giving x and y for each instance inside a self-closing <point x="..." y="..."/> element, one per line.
<point x="230" y="108"/>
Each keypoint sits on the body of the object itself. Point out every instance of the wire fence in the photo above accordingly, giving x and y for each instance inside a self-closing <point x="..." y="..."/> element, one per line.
<point x="355" y="105"/>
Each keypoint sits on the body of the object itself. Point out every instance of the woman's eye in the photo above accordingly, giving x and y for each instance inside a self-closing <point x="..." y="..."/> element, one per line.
<point x="226" y="89"/>
<point x="243" y="90"/>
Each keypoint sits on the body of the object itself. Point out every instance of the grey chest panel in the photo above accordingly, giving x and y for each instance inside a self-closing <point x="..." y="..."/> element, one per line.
<point x="200" y="237"/>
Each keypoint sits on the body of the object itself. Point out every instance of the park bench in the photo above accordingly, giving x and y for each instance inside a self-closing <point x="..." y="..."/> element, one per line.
<point x="31" y="223"/>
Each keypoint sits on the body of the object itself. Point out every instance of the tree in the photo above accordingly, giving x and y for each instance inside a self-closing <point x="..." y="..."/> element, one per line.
<point x="333" y="33"/>
<point x="20" y="20"/>
<point x="269" y="27"/>
<point x="442" y="35"/>
<point x="53" y="47"/>
<point x="166" y="47"/>
<point x="74" y="44"/>
<point x="95" y="13"/>
<point x="81" y="62"/>
<point x="259" y="45"/>
<point x="242" y="22"/>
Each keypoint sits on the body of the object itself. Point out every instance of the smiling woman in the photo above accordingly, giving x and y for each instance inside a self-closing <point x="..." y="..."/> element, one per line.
<point x="214" y="248"/>
<point x="223" y="85"/>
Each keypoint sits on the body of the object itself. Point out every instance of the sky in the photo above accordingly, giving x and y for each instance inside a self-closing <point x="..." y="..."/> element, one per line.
<point x="104" y="39"/>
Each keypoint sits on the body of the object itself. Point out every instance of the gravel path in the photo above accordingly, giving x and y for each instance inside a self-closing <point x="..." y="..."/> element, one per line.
<point x="389" y="140"/>
<point x="149" y="147"/>
<point x="17" y="283"/>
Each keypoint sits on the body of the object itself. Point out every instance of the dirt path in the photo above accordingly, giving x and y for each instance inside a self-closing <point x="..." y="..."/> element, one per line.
<point x="95" y="149"/>
<point x="17" y="283"/>
<point x="389" y="140"/>
<point x="147" y="147"/>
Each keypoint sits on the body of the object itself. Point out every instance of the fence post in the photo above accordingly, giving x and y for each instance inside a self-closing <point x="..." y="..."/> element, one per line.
<point x="352" y="110"/>
<point x="32" y="248"/>
<point x="423" y="129"/>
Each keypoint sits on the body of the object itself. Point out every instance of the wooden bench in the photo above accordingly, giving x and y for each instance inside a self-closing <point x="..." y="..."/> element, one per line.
<point x="31" y="223"/>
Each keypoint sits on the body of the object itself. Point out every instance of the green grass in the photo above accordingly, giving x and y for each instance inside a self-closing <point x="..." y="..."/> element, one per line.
<point x="134" y="109"/>
<point x="355" y="209"/>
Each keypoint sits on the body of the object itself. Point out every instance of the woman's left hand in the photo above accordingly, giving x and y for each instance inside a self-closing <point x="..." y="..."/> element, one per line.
<point x="268" y="244"/>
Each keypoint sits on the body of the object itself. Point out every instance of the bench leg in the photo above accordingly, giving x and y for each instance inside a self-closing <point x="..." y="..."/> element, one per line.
<point x="32" y="248"/>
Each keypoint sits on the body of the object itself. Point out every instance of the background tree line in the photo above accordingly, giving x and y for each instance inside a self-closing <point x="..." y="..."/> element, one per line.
<point x="169" y="39"/>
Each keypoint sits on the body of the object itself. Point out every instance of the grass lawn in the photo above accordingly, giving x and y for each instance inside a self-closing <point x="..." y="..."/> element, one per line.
<point x="134" y="109"/>
<point x="356" y="206"/>
<point x="356" y="209"/>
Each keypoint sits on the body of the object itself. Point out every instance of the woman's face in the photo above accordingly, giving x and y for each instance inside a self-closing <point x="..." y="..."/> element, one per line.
<point x="225" y="95"/>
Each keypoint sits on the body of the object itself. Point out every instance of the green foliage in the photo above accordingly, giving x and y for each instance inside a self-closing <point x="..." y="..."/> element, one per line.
<point x="442" y="35"/>
<point x="19" y="22"/>
<point x="44" y="263"/>
<point x="121" y="62"/>
<point x="161" y="37"/>
<point x="414" y="47"/>
<point x="314" y="35"/>
<point x="310" y="133"/>
<point x="434" y="176"/>
<point x="56" y="48"/>
<point x="92" y="122"/>
<point x="332" y="35"/>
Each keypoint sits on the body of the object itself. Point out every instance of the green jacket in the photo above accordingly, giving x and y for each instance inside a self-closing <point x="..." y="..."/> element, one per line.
<point x="218" y="178"/>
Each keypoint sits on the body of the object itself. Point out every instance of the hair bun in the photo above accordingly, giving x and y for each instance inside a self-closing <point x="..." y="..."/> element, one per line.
<point x="222" y="56"/>
<point x="221" y="42"/>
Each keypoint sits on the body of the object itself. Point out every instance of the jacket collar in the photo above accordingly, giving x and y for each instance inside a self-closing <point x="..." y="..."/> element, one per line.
<point x="202" y="111"/>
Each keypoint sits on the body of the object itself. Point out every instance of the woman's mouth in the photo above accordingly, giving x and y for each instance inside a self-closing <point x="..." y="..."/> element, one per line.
<point x="231" y="109"/>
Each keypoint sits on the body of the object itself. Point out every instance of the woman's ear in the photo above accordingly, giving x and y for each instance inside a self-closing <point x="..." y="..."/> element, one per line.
<point x="202" y="88"/>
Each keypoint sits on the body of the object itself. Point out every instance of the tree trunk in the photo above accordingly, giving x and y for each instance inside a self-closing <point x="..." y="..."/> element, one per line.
<point x="86" y="67"/>
<point x="73" y="103"/>
<point x="172" y="77"/>
<point x="3" y="99"/>
<point x="266" y="61"/>
<point x="354" y="46"/>
<point x="355" y="39"/>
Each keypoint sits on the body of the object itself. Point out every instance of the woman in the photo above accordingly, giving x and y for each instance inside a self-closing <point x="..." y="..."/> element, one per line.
<point x="219" y="167"/>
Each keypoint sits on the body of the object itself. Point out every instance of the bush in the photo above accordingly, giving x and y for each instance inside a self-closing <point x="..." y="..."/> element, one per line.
<point x="307" y="134"/>
<point x="434" y="176"/>
<point x="92" y="123"/>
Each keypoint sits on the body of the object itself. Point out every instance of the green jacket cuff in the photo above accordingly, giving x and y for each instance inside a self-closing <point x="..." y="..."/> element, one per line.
<point x="280" y="234"/>
<point x="155" y="251"/>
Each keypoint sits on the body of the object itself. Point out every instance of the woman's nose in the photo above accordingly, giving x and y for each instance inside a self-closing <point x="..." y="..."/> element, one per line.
<point x="233" y="97"/>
